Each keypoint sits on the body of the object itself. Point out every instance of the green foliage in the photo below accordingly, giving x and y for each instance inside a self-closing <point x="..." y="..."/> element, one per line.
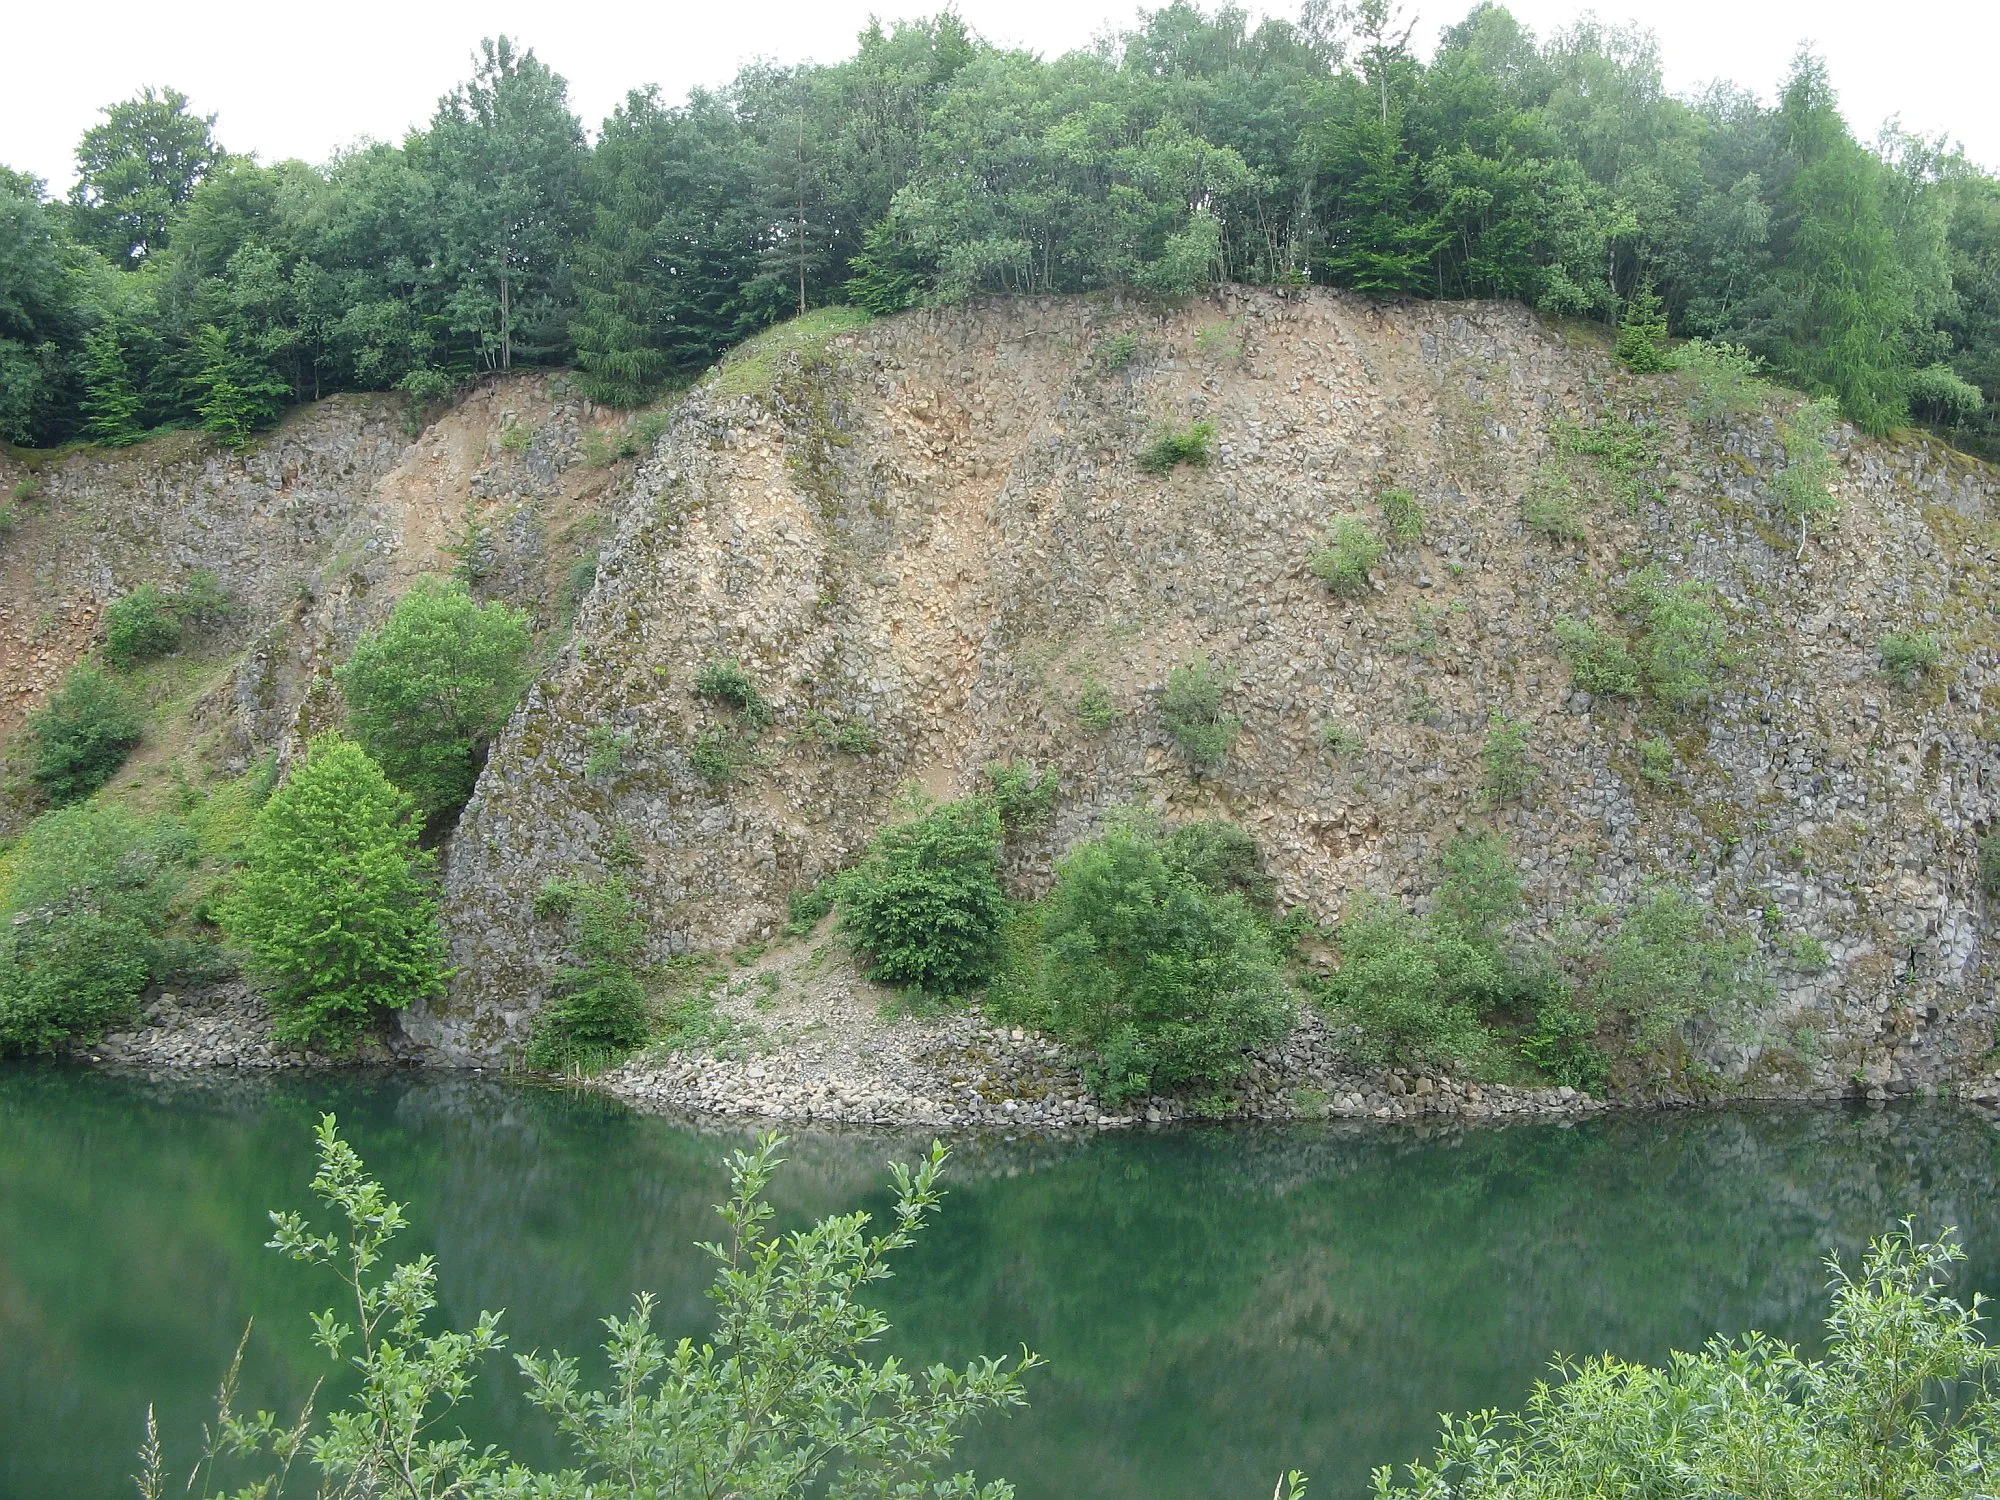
<point x="1344" y="560"/>
<point x="1095" y="709"/>
<point x="1627" y="453"/>
<point x="1508" y="775"/>
<point x="1115" y="351"/>
<point x="429" y="689"/>
<point x="1810" y="954"/>
<point x="1412" y="989"/>
<point x="1680" y="639"/>
<point x="1599" y="659"/>
<point x="597" y="1011"/>
<point x="148" y="621"/>
<point x="785" y="1402"/>
<point x="1223" y="859"/>
<point x="82" y="923"/>
<point x="1656" y="761"/>
<point x="1405" y="518"/>
<point x="1563" y="1045"/>
<point x="1901" y="1404"/>
<point x="1166" y="978"/>
<point x="1724" y="377"/>
<point x="516" y="437"/>
<point x="1802" y="483"/>
<point x="608" y="747"/>
<point x="726" y="682"/>
<point x="1642" y="332"/>
<point x="924" y="908"/>
<point x="1339" y="739"/>
<point x="140" y="625"/>
<point x="1671" y="962"/>
<point x="806" y="909"/>
<point x="1989" y="865"/>
<point x="336" y="907"/>
<point x="1023" y="797"/>
<point x="719" y="757"/>
<point x="1909" y="658"/>
<point x="1191" y="706"/>
<point x="1171" y="447"/>
<point x="1550" y="507"/>
<point x="236" y="390"/>
<point x="1938" y="394"/>
<point x="81" y="736"/>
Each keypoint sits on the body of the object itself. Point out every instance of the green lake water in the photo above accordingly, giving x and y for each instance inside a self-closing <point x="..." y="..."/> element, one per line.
<point x="1215" y="1304"/>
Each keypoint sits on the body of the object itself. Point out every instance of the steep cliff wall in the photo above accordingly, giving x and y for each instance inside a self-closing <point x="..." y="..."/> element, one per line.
<point x="314" y="531"/>
<point x="936" y="527"/>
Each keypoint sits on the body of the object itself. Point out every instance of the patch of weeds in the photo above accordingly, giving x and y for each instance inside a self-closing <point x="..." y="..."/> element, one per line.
<point x="1723" y="377"/>
<point x="1656" y="762"/>
<point x="1627" y="453"/>
<point x="1191" y="705"/>
<point x="1095" y="709"/>
<point x="727" y="682"/>
<point x="1550" y="508"/>
<point x="608" y="748"/>
<point x="1424" y="708"/>
<point x="1423" y="639"/>
<point x="1508" y="775"/>
<point x="1989" y="865"/>
<point x="1404" y="516"/>
<point x="719" y="757"/>
<point x="1024" y="797"/>
<point x="844" y="736"/>
<point x="768" y="986"/>
<point x="751" y="368"/>
<point x="1338" y="739"/>
<point x="1310" y="1103"/>
<point x="1809" y="954"/>
<point x="807" y="908"/>
<point x="1343" y="562"/>
<point x="9" y="517"/>
<point x="28" y="490"/>
<point x="1803" y="483"/>
<point x="1910" y="658"/>
<point x="1599" y="659"/>
<point x="1219" y="341"/>
<point x="1680" y="640"/>
<point x="1171" y="447"/>
<point x="516" y="437"/>
<point x="1115" y="351"/>
<point x="582" y="578"/>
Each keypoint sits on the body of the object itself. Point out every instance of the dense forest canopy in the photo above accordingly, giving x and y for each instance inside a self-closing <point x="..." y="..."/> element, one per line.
<point x="180" y="284"/>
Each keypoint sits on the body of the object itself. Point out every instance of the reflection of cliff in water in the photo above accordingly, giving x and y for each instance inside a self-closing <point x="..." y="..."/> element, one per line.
<point x="1214" y="1302"/>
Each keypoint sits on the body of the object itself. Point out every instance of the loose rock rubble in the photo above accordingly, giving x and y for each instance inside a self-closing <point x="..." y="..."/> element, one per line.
<point x="227" y="1026"/>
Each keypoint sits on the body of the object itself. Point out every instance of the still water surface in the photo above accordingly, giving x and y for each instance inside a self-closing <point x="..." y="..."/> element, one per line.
<point x="1215" y="1304"/>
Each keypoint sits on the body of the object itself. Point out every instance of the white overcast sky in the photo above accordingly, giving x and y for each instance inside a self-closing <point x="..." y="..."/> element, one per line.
<point x="295" y="80"/>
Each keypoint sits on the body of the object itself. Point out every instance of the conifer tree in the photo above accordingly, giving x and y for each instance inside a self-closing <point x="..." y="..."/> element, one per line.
<point x="111" y="407"/>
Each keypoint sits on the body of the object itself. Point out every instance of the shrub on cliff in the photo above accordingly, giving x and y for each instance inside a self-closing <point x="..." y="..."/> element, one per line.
<point x="599" y="1010"/>
<point x="1165" y="978"/>
<point x="428" y="690"/>
<point x="335" y="906"/>
<point x="1191" y="706"/>
<point x="82" y="736"/>
<point x="139" y="626"/>
<point x="1344" y="560"/>
<point x="82" y="925"/>
<point x="925" y="908"/>
<point x="1171" y="447"/>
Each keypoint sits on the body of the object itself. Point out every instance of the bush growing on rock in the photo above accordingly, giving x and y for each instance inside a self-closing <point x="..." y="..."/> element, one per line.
<point x="1191" y="705"/>
<point x="1167" y="980"/>
<point x="1599" y="659"/>
<point x="1907" y="658"/>
<point x="335" y="906"/>
<point x="1724" y="377"/>
<point x="1672" y="962"/>
<point x="925" y="908"/>
<point x="1550" y="506"/>
<point x="1023" y="797"/>
<point x="1680" y="640"/>
<point x="1412" y="989"/>
<point x="1404" y="516"/>
<point x="598" y="1011"/>
<point x="1508" y="774"/>
<point x="82" y="736"/>
<point x="83" y="924"/>
<point x="140" y="626"/>
<point x="1171" y="447"/>
<point x="430" y="689"/>
<point x="1350" y="552"/>
<point x="726" y="682"/>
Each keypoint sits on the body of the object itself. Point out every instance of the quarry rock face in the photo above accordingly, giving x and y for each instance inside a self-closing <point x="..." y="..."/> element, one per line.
<point x="927" y="540"/>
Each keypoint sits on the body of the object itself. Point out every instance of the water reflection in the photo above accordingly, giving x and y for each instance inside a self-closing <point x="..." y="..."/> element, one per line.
<point x="1214" y="1304"/>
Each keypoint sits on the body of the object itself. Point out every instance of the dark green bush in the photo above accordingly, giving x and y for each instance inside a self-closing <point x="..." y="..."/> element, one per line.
<point x="1167" y="982"/>
<point x="82" y="736"/>
<point x="1680" y="641"/>
<point x="1508" y="775"/>
<point x="1115" y="350"/>
<point x="1404" y="515"/>
<point x="1673" y="961"/>
<point x="1191" y="705"/>
<point x="925" y="909"/>
<point x="1563" y="1044"/>
<point x="1095" y="709"/>
<point x="718" y="756"/>
<point x="598" y="1010"/>
<point x="1172" y="447"/>
<point x="140" y="626"/>
<point x="336" y="906"/>
<point x="1223" y="858"/>
<point x="1908" y="658"/>
<point x="1023" y="797"/>
<point x="1989" y="864"/>
<point x="1642" y="333"/>
<point x="1413" y="990"/>
<point x="727" y="682"/>
<point x="1479" y="893"/>
<point x="82" y="932"/>
<point x="429" y="690"/>
<point x="1938" y="394"/>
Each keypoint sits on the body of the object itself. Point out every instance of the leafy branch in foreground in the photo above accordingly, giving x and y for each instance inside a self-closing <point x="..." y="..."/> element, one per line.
<point x="782" y="1403"/>
<point x="1902" y="1405"/>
